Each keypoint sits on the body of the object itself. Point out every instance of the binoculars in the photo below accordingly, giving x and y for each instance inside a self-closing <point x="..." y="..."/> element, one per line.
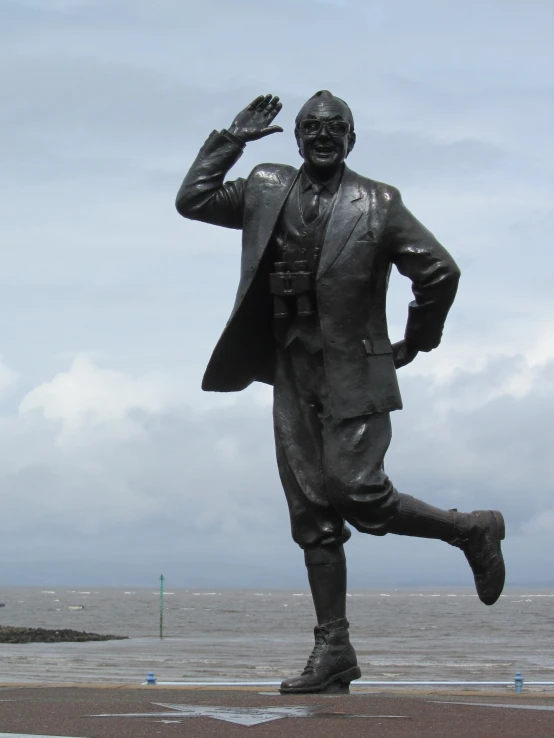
<point x="292" y="286"/>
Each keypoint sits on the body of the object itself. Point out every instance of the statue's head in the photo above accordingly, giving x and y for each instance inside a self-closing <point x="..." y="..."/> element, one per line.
<point x="324" y="132"/>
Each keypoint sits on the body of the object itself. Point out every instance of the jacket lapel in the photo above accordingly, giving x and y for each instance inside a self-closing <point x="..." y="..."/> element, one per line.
<point x="346" y="213"/>
<point x="270" y="200"/>
<point x="275" y="196"/>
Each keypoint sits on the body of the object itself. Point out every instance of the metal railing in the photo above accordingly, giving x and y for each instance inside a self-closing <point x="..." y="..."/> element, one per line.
<point x="517" y="682"/>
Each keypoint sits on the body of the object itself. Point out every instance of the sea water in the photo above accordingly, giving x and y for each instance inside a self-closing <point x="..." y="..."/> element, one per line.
<point x="220" y="635"/>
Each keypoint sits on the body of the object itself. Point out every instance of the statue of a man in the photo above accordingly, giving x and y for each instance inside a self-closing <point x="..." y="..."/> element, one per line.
<point x="318" y="245"/>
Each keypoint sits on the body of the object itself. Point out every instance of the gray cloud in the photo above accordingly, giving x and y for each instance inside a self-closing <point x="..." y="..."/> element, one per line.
<point x="100" y="465"/>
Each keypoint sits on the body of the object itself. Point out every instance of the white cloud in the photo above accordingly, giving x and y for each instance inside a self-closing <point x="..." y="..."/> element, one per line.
<point x="86" y="394"/>
<point x="523" y="360"/>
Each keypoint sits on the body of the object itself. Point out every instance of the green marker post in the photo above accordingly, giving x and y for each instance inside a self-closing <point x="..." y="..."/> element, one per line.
<point x="162" y="579"/>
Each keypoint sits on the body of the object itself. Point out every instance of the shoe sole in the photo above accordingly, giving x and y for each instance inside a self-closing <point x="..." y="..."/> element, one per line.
<point x="344" y="677"/>
<point x="500" y="524"/>
<point x="501" y="533"/>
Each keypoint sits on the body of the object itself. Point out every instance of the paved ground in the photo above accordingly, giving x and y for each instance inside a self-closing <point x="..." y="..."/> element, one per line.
<point x="148" y="712"/>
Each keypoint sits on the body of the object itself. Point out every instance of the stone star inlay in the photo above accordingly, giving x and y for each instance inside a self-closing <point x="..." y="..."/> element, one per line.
<point x="240" y="715"/>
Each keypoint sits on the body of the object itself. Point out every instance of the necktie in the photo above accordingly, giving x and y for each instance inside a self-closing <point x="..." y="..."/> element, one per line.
<point x="311" y="210"/>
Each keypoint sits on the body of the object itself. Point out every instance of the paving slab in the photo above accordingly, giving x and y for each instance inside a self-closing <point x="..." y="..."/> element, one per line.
<point x="95" y="712"/>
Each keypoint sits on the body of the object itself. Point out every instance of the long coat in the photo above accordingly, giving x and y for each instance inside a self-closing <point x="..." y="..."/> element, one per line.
<point x="368" y="231"/>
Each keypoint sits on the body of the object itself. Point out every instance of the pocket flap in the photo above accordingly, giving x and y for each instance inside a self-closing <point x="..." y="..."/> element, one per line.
<point x="377" y="346"/>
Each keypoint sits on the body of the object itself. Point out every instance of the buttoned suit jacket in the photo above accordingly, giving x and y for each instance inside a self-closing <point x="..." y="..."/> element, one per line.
<point x="368" y="231"/>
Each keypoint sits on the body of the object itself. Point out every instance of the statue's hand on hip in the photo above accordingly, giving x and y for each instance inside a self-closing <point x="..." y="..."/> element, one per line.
<point x="403" y="354"/>
<point x="255" y="120"/>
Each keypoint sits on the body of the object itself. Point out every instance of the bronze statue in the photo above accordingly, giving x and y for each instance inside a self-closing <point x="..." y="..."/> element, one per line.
<point x="318" y="246"/>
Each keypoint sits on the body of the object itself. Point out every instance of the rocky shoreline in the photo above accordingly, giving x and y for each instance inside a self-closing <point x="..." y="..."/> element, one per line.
<point x="10" y="634"/>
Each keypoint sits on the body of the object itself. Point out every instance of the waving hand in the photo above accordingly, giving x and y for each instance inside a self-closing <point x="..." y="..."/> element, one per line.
<point x="255" y="120"/>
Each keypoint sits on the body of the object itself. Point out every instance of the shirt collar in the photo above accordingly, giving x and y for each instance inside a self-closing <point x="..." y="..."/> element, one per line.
<point x="332" y="184"/>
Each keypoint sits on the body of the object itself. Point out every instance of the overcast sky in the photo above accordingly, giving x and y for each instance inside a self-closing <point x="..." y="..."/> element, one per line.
<point x="114" y="466"/>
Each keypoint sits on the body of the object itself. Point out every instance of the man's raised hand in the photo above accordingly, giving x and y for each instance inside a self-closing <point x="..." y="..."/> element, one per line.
<point x="255" y="120"/>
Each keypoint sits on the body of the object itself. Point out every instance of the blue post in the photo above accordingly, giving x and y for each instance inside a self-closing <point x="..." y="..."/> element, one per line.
<point x="518" y="681"/>
<point x="151" y="679"/>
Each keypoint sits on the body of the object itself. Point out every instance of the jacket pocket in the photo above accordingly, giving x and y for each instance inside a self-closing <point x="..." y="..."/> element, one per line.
<point x="375" y="346"/>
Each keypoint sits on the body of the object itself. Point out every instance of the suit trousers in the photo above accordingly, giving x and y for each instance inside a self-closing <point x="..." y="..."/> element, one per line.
<point x="332" y="471"/>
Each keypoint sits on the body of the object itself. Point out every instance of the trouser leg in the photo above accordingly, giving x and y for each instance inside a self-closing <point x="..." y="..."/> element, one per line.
<point x="315" y="523"/>
<point x="361" y="491"/>
<point x="356" y="483"/>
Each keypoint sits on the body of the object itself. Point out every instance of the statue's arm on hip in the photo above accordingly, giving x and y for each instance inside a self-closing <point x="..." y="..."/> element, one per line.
<point x="204" y="195"/>
<point x="434" y="275"/>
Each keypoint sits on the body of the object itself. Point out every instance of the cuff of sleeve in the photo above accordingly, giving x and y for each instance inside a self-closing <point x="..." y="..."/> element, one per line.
<point x="234" y="139"/>
<point x="416" y="344"/>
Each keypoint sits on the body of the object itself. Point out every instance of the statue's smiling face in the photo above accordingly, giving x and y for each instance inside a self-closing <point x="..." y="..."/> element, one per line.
<point x="324" y="134"/>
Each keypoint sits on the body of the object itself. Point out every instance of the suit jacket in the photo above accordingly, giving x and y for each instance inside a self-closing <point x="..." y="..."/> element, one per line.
<point x="368" y="231"/>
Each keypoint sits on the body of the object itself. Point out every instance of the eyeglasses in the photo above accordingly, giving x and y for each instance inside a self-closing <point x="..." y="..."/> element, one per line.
<point x="334" y="127"/>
